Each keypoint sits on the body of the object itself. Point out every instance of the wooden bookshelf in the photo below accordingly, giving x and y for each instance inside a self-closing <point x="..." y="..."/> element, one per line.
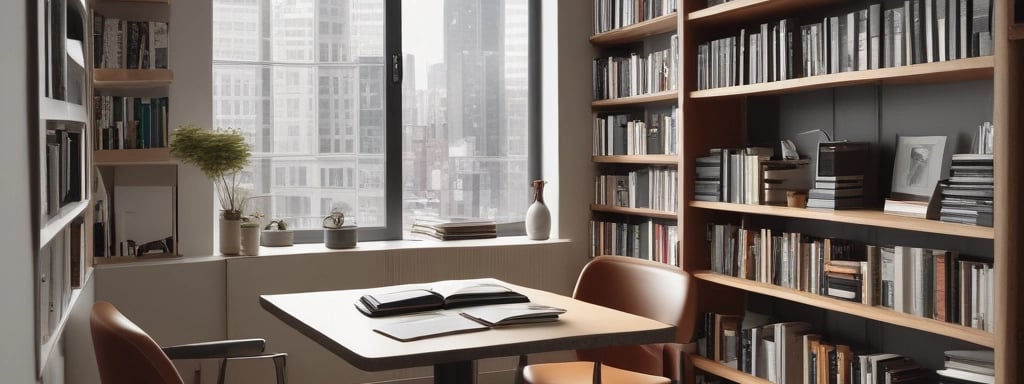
<point x="971" y="335"/>
<point x="638" y="159"/>
<point x="724" y="371"/>
<point x="660" y="97"/>
<point x="133" y="156"/>
<point x="638" y="31"/>
<point x="742" y="11"/>
<point x="1016" y="32"/>
<point x="129" y="79"/>
<point x="634" y="211"/>
<point x="855" y="216"/>
<point x="975" y="68"/>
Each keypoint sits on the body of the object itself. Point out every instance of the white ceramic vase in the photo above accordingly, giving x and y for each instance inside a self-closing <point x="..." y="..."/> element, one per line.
<point x="538" y="218"/>
<point x="250" y="241"/>
<point x="230" y="237"/>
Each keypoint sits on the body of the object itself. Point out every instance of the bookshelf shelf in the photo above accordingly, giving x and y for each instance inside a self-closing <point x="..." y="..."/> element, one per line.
<point x="48" y="347"/>
<point x="131" y="79"/>
<point x="50" y="109"/>
<point x="133" y="259"/>
<point x="638" y="159"/>
<point x="724" y="371"/>
<point x="858" y="216"/>
<point x="740" y="11"/>
<point x="885" y="315"/>
<point x="58" y="222"/>
<point x="638" y="31"/>
<point x="975" y="68"/>
<point x="660" y="97"/>
<point x="634" y="211"/>
<point x="133" y="156"/>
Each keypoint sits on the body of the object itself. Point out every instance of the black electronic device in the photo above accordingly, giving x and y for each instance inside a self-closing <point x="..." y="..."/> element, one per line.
<point x="841" y="159"/>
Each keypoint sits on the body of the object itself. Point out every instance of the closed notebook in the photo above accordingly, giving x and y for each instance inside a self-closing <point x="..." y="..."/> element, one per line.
<point x="507" y="314"/>
<point x="429" y="325"/>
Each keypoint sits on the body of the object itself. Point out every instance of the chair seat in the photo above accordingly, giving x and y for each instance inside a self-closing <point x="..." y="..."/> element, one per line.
<point x="582" y="372"/>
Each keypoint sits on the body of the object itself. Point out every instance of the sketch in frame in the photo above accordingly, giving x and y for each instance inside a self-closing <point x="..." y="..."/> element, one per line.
<point x="917" y="166"/>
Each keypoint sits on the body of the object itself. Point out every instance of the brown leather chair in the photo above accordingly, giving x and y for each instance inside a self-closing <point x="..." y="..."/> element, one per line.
<point x="645" y="288"/>
<point x="125" y="354"/>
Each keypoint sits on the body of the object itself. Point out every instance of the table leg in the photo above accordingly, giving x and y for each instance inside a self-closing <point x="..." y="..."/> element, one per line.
<point x="460" y="372"/>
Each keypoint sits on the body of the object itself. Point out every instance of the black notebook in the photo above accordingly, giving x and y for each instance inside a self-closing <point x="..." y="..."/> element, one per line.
<point x="439" y="295"/>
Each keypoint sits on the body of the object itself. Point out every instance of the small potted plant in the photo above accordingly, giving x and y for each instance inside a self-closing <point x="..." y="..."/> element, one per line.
<point x="337" y="235"/>
<point x="277" y="234"/>
<point x="220" y="154"/>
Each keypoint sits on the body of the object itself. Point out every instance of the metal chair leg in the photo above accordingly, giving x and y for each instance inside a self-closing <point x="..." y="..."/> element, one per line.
<point x="279" y="366"/>
<point x="519" y="369"/>
<point x="597" y="372"/>
<point x="223" y="367"/>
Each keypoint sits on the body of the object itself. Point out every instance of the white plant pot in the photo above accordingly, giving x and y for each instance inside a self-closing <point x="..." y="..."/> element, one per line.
<point x="230" y="242"/>
<point x="283" y="238"/>
<point x="250" y="241"/>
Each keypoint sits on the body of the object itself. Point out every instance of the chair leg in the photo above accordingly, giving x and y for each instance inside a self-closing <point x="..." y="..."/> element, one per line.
<point x="519" y="369"/>
<point x="223" y="367"/>
<point x="597" y="372"/>
<point x="279" y="366"/>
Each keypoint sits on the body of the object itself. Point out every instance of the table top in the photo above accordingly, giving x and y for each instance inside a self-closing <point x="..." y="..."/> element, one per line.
<point x="331" y="319"/>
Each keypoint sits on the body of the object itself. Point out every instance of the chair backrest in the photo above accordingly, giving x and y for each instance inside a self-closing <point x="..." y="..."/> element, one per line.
<point x="125" y="354"/>
<point x="644" y="288"/>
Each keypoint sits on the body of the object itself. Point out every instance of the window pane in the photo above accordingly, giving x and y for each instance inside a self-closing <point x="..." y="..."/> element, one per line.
<point x="464" y="116"/>
<point x="310" y="75"/>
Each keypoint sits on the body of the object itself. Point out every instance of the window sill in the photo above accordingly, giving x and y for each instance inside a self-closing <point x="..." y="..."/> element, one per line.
<point x="367" y="246"/>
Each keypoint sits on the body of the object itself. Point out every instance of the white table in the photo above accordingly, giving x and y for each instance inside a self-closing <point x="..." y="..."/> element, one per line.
<point x="331" y="319"/>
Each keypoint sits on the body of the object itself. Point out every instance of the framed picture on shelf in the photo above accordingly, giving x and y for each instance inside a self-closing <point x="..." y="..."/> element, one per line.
<point x="917" y="166"/>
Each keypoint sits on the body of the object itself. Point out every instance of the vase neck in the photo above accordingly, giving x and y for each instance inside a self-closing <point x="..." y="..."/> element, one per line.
<point x="538" y="191"/>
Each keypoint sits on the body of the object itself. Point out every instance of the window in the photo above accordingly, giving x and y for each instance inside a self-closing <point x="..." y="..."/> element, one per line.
<point x="309" y="83"/>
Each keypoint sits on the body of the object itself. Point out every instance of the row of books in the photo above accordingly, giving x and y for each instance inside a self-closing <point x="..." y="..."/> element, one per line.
<point x="130" y="122"/>
<point x="967" y="196"/>
<point x="621" y="134"/>
<point x="62" y="182"/>
<point x="748" y="176"/>
<point x="130" y="44"/>
<point x="652" y="188"/>
<point x="968" y="366"/>
<point x="931" y="283"/>
<point x="637" y="74"/>
<point x="791" y="352"/>
<point x="918" y="31"/>
<point x="647" y="239"/>
<point x="615" y="14"/>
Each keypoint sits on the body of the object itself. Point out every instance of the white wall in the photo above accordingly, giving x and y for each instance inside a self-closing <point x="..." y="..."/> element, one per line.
<point x="17" y="330"/>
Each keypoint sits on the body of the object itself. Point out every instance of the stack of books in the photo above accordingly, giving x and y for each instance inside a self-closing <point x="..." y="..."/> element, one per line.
<point x="968" y="367"/>
<point x="967" y="195"/>
<point x="455" y="229"/>
<point x="709" y="177"/>
<point x="837" y="192"/>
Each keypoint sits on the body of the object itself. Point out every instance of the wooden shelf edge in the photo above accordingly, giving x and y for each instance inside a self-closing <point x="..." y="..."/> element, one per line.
<point x="1016" y="32"/>
<point x="638" y="159"/>
<point x="131" y="78"/>
<point x="726" y="372"/>
<point x="867" y="217"/>
<point x="58" y="222"/>
<point x="737" y="11"/>
<point x="132" y="156"/>
<point x="633" y="100"/>
<point x="974" y="68"/>
<point x="634" y="211"/>
<point x="96" y="3"/>
<point x="638" y="31"/>
<point x="885" y="315"/>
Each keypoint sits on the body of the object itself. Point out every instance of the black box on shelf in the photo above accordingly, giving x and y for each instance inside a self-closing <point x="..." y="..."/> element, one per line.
<point x="841" y="158"/>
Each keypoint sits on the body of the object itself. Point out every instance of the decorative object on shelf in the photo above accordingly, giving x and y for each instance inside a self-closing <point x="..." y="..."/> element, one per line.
<point x="277" y="234"/>
<point x="250" y="238"/>
<point x="917" y="166"/>
<point x="538" y="217"/>
<point x="796" y="199"/>
<point x="220" y="154"/>
<point x="337" y="235"/>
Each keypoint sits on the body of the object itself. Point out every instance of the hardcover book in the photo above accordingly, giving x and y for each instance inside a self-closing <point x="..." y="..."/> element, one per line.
<point x="440" y="295"/>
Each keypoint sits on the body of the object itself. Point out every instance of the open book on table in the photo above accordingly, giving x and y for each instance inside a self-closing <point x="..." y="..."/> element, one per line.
<point x="473" y="319"/>
<point x="438" y="295"/>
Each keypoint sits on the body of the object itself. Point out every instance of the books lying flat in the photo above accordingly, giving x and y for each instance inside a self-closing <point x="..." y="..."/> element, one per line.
<point x="430" y="325"/>
<point x="440" y="295"/>
<point x="508" y="314"/>
<point x="455" y="229"/>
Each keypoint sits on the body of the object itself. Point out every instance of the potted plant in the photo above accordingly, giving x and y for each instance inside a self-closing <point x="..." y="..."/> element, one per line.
<point x="277" y="234"/>
<point x="337" y="235"/>
<point x="220" y="155"/>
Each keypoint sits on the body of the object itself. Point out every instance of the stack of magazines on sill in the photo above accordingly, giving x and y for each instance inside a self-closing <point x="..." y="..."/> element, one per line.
<point x="455" y="228"/>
